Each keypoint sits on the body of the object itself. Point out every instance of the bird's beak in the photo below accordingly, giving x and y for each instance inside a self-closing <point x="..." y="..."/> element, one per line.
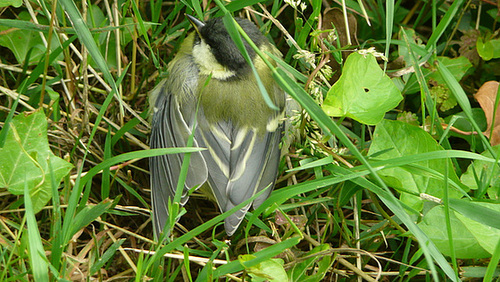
<point x="196" y="23"/>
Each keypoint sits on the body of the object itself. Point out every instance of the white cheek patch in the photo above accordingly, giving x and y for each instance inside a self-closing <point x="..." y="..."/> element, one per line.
<point x="204" y="58"/>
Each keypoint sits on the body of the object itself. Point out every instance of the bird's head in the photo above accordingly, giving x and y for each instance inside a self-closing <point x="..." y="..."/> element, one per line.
<point x="215" y="51"/>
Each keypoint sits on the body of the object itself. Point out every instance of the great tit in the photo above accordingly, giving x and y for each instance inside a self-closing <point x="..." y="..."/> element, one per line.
<point x="212" y="93"/>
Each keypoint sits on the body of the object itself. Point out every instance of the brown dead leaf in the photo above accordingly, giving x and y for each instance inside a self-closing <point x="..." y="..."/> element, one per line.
<point x="467" y="45"/>
<point x="334" y="18"/>
<point x="486" y="96"/>
<point x="299" y="220"/>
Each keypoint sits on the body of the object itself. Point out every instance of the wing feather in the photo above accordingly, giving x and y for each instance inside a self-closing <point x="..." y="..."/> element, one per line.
<point x="252" y="158"/>
<point x="170" y="129"/>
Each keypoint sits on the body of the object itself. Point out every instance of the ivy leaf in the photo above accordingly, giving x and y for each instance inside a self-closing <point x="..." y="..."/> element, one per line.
<point x="25" y="43"/>
<point x="15" y="3"/>
<point x="363" y="92"/>
<point x="394" y="139"/>
<point x="25" y="159"/>
<point x="314" y="268"/>
<point x="267" y="270"/>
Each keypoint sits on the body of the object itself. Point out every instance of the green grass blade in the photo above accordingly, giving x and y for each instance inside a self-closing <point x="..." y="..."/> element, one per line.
<point x="389" y="23"/>
<point x="86" y="38"/>
<point x="134" y="155"/>
<point x="194" y="232"/>
<point x="36" y="253"/>
<point x="447" y="19"/>
<point x="464" y="103"/>
<point x="108" y="254"/>
<point x="261" y="256"/>
<point x="493" y="265"/>
<point x="476" y="212"/>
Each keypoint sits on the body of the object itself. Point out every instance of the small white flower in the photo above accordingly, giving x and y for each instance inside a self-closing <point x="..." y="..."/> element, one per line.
<point x="303" y="6"/>
<point x="292" y="3"/>
<point x="315" y="92"/>
<point x="332" y="36"/>
<point x="374" y="52"/>
<point x="327" y="72"/>
<point x="296" y="4"/>
<point x="309" y="57"/>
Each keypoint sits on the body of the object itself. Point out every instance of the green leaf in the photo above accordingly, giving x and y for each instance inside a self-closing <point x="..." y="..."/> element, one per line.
<point x="476" y="272"/>
<point x="444" y="23"/>
<point x="89" y="214"/>
<point x="489" y="49"/>
<point x="127" y="30"/>
<point x="494" y="14"/>
<point x="15" y="3"/>
<point x="22" y="41"/>
<point x="25" y="158"/>
<point x="481" y="212"/>
<point x="443" y="97"/>
<point x="458" y="67"/>
<point x="267" y="270"/>
<point x="36" y="253"/>
<point x="317" y="264"/>
<point x="363" y="92"/>
<point x="475" y="234"/>
<point x="106" y="256"/>
<point x="462" y="122"/>
<point x="260" y="256"/>
<point x="403" y="48"/>
<point x="465" y="243"/>
<point x="85" y="37"/>
<point x="399" y="139"/>
<point x="487" y="174"/>
<point x="463" y="101"/>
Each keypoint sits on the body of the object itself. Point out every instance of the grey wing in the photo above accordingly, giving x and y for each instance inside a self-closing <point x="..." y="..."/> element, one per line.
<point x="240" y="163"/>
<point x="170" y="129"/>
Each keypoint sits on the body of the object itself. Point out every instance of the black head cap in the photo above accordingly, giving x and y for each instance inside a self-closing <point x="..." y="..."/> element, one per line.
<point x="222" y="46"/>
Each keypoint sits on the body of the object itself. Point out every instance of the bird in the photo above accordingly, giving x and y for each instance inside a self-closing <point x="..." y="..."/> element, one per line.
<point x="212" y="94"/>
